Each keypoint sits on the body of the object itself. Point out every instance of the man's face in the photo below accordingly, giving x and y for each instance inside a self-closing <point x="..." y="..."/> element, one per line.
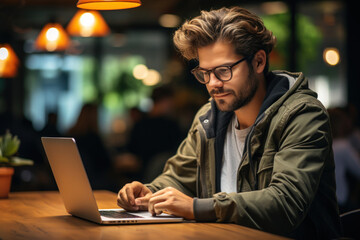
<point x="233" y="94"/>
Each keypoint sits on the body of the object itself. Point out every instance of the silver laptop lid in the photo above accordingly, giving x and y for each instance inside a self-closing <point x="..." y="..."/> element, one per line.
<point x="71" y="178"/>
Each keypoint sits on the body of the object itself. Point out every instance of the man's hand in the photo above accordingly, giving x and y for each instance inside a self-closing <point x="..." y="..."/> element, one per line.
<point x="129" y="194"/>
<point x="172" y="201"/>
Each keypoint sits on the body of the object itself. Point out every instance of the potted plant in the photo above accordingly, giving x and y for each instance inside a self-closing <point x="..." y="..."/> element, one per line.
<point x="9" y="145"/>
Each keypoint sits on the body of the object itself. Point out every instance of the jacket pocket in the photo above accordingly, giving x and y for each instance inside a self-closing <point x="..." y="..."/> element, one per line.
<point x="265" y="170"/>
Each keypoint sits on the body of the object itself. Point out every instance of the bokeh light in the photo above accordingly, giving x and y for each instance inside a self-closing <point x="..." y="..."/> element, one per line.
<point x="331" y="56"/>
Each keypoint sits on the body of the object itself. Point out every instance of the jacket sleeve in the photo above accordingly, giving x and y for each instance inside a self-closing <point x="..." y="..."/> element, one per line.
<point x="304" y="150"/>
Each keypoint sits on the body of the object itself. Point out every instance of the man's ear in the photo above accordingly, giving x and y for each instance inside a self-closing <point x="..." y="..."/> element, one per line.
<point x="259" y="61"/>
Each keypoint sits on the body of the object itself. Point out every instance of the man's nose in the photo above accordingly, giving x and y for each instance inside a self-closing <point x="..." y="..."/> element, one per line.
<point x="214" y="82"/>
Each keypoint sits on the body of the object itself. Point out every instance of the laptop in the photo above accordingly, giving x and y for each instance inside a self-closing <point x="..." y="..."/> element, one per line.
<point x="76" y="192"/>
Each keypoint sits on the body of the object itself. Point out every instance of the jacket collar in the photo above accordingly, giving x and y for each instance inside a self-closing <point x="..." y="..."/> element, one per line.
<point x="214" y="120"/>
<point x="278" y="84"/>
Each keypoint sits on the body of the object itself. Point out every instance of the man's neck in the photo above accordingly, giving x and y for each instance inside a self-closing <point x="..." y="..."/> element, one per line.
<point x="246" y="115"/>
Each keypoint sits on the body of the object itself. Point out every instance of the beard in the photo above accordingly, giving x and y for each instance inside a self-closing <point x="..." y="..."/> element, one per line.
<point x="241" y="98"/>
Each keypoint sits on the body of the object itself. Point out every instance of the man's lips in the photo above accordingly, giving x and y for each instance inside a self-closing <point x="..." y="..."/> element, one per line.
<point x="220" y="94"/>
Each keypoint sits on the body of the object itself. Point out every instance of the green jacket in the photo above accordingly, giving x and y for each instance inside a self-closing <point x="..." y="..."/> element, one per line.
<point x="286" y="181"/>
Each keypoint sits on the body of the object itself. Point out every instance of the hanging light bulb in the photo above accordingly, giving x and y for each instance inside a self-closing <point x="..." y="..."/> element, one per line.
<point x="88" y="24"/>
<point x="52" y="38"/>
<point x="9" y="62"/>
<point x="108" y="4"/>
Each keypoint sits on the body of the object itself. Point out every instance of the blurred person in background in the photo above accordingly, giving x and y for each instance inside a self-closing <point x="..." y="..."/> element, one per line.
<point x="25" y="178"/>
<point x="94" y="154"/>
<point x="353" y="114"/>
<point x="50" y="129"/>
<point x="347" y="159"/>
<point x="155" y="137"/>
<point x="259" y="154"/>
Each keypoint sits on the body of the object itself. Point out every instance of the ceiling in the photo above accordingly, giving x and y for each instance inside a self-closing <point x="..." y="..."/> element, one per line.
<point x="25" y="14"/>
<point x="30" y="11"/>
<point x="19" y="16"/>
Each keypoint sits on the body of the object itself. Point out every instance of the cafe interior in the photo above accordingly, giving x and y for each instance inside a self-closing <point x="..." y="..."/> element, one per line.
<point x="58" y="59"/>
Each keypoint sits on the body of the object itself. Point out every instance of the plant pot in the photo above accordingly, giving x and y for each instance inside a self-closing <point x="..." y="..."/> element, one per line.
<point x="5" y="181"/>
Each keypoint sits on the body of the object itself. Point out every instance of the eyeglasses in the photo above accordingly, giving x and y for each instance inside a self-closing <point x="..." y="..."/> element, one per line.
<point x="223" y="73"/>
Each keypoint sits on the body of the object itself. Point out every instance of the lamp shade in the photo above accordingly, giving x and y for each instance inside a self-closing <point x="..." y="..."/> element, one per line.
<point x="108" y="4"/>
<point x="9" y="62"/>
<point x="52" y="37"/>
<point x="88" y="24"/>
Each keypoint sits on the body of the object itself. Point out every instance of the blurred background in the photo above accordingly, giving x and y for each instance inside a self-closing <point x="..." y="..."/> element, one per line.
<point x="126" y="95"/>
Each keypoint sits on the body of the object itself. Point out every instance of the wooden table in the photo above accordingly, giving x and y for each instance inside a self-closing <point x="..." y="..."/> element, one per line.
<point x="41" y="215"/>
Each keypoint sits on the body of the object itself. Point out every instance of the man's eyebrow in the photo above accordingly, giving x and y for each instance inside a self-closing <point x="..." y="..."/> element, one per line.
<point x="222" y="65"/>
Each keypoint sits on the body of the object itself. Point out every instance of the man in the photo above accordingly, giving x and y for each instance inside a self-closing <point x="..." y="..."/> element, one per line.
<point x="259" y="154"/>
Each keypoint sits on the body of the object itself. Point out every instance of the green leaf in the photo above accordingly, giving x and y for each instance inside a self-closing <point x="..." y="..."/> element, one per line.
<point x="9" y="145"/>
<point x="4" y="160"/>
<point x="17" y="161"/>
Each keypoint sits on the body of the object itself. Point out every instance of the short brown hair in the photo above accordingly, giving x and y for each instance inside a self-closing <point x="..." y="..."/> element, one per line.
<point x="236" y="25"/>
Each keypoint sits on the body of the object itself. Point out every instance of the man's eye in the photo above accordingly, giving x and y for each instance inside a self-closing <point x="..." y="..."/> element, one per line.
<point x="222" y="70"/>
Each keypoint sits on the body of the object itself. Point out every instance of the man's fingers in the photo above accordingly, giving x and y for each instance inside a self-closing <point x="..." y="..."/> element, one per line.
<point x="142" y="201"/>
<point x="159" y="196"/>
<point x="156" y="200"/>
<point x="122" y="200"/>
<point x="130" y="196"/>
<point x="130" y="192"/>
<point x="126" y="199"/>
<point x="171" y="201"/>
<point x="123" y="196"/>
<point x="161" y="207"/>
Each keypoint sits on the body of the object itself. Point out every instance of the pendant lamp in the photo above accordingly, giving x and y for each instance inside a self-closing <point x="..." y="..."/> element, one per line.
<point x="88" y="24"/>
<point x="108" y="4"/>
<point x="9" y="62"/>
<point x="52" y="38"/>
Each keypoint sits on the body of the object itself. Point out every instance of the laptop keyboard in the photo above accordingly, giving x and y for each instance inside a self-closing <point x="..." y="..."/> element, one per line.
<point x="117" y="214"/>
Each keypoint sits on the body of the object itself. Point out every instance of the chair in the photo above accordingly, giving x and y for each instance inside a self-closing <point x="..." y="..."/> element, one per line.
<point x="350" y="222"/>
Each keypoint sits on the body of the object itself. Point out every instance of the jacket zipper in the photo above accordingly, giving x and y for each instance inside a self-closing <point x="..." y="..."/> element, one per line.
<point x="199" y="188"/>
<point x="247" y="150"/>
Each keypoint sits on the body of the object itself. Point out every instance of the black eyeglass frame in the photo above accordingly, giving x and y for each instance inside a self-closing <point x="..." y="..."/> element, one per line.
<point x="213" y="71"/>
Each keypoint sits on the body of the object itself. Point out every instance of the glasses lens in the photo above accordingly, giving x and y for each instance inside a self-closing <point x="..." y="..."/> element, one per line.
<point x="223" y="73"/>
<point x="200" y="75"/>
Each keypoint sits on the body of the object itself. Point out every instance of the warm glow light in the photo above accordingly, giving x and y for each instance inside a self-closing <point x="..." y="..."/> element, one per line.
<point x="108" y="4"/>
<point x="276" y="7"/>
<point x="140" y="71"/>
<point x="152" y="78"/>
<point x="119" y="126"/>
<point x="4" y="53"/>
<point x="169" y="20"/>
<point x="9" y="62"/>
<point x="331" y="56"/>
<point x="52" y="38"/>
<point x="87" y="19"/>
<point x="52" y="34"/>
<point x="88" y="24"/>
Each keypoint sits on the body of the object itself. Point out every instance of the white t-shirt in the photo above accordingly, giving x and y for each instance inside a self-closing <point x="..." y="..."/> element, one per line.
<point x="233" y="151"/>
